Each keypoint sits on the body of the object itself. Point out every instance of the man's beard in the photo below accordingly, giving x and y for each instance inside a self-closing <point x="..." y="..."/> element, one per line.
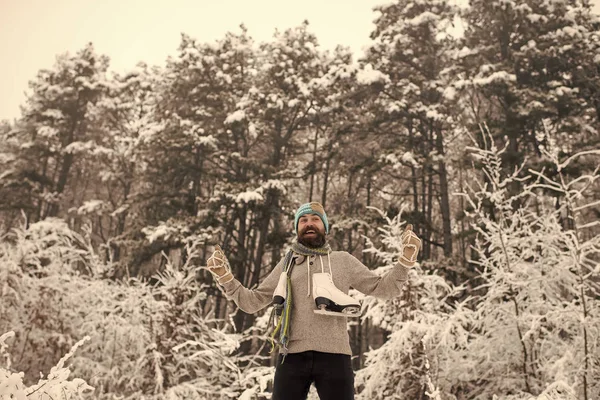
<point x="318" y="240"/>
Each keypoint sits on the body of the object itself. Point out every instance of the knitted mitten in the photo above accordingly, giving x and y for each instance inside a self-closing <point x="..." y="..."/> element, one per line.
<point x="411" y="244"/>
<point x="219" y="266"/>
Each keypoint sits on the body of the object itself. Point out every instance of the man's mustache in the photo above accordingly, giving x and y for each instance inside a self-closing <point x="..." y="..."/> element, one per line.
<point x="310" y="228"/>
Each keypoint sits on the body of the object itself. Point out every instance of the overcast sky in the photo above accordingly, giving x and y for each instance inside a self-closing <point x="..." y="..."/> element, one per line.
<point x="34" y="32"/>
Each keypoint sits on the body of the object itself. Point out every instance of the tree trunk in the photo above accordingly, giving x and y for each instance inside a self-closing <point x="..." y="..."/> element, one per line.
<point x="429" y="215"/>
<point x="62" y="182"/>
<point x="40" y="204"/>
<point x="461" y="200"/>
<point x="65" y="168"/>
<point x="326" y="174"/>
<point x="444" y="195"/>
<point x="414" y="176"/>
<point x="350" y="247"/>
<point x="313" y="169"/>
<point x="424" y="230"/>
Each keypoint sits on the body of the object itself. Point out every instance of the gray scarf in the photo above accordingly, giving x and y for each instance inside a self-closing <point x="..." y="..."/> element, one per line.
<point x="283" y="326"/>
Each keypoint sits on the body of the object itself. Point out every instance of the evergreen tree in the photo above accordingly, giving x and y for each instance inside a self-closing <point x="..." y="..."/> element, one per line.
<point x="407" y="68"/>
<point x="55" y="132"/>
<point x="528" y="61"/>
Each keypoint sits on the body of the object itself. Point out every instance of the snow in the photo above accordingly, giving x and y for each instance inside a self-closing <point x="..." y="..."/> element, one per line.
<point x="252" y="130"/>
<point x="248" y="394"/>
<point x="368" y="75"/>
<point x="6" y="158"/>
<point x="226" y="77"/>
<point x="425" y="18"/>
<point x="449" y="93"/>
<point x="98" y="150"/>
<point x="57" y="384"/>
<point x="50" y="226"/>
<point x="6" y="173"/>
<point x="409" y="158"/>
<point x="395" y="106"/>
<point x="148" y="132"/>
<point x="495" y="77"/>
<point x="249" y="196"/>
<point x="274" y="184"/>
<point x="46" y="131"/>
<point x="568" y="31"/>
<point x="531" y="44"/>
<point x="434" y="114"/>
<point x="532" y="105"/>
<point x="119" y="210"/>
<point x="535" y="257"/>
<point x="54" y="114"/>
<point x="209" y="141"/>
<point x="524" y="8"/>
<point x="91" y="207"/>
<point x="535" y="18"/>
<point x="564" y="91"/>
<point x="79" y="147"/>
<point x="162" y="232"/>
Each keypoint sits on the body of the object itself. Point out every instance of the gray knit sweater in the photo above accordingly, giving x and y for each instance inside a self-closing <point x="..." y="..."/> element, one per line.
<point x="310" y="331"/>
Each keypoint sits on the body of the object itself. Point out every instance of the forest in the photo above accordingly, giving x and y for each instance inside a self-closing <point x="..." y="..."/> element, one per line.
<point x="115" y="188"/>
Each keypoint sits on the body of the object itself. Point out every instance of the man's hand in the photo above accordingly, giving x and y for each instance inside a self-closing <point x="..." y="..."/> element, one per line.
<point x="411" y="244"/>
<point x="219" y="266"/>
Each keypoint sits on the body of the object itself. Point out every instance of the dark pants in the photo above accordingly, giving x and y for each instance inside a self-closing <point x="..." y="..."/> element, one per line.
<point x="332" y="374"/>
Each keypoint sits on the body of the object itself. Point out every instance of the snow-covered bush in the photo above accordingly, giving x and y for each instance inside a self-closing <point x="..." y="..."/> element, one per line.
<point x="56" y="386"/>
<point x="424" y="327"/>
<point x="144" y="339"/>
<point x="535" y="329"/>
<point x="526" y="326"/>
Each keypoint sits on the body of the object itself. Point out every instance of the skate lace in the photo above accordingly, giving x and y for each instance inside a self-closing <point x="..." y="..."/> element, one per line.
<point x="322" y="271"/>
<point x="323" y="267"/>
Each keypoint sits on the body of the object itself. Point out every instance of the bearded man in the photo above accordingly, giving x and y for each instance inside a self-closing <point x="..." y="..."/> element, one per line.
<point x="309" y="290"/>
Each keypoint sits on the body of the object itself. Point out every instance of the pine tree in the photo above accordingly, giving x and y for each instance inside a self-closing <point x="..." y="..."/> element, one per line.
<point x="125" y="117"/>
<point x="414" y="108"/>
<point x="55" y="131"/>
<point x="527" y="61"/>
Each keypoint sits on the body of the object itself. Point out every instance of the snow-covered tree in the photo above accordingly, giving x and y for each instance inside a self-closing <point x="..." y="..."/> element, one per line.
<point x="125" y="116"/>
<point x="55" y="131"/>
<point x="15" y="187"/>
<point x="409" y="68"/>
<point x="529" y="65"/>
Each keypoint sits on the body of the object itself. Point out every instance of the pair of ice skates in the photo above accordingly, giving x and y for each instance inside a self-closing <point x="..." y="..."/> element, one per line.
<point x="329" y="300"/>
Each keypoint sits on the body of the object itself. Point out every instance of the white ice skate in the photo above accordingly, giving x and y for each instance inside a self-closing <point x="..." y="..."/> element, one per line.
<point x="280" y="293"/>
<point x="332" y="301"/>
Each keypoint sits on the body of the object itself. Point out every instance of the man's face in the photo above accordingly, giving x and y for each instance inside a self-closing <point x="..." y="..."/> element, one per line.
<point x="311" y="231"/>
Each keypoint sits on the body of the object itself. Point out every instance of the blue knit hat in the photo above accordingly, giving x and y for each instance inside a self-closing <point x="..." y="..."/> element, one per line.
<point x="311" y="208"/>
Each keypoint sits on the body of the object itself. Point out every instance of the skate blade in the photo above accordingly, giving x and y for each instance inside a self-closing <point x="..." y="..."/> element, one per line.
<point x="338" y="314"/>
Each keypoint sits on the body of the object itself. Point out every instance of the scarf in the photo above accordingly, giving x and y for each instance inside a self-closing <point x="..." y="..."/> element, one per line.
<point x="283" y="325"/>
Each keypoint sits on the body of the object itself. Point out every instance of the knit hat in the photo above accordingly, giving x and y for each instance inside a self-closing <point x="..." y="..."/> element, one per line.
<point x="311" y="208"/>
